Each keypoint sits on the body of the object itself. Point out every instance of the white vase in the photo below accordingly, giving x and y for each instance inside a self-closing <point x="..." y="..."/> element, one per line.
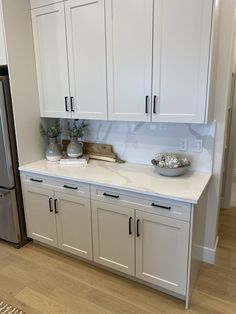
<point x="75" y="148"/>
<point x="53" y="152"/>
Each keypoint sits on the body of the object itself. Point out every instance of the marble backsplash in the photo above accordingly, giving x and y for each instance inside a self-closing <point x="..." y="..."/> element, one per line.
<point x="138" y="142"/>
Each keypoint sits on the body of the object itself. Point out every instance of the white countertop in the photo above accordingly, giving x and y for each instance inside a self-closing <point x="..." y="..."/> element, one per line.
<point x="130" y="177"/>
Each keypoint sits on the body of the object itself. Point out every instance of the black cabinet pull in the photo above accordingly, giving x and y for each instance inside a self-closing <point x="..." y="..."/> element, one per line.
<point x="138" y="234"/>
<point x="55" y="206"/>
<point x="70" y="187"/>
<point x="36" y="180"/>
<point x="146" y="104"/>
<point x="72" y="104"/>
<point x="50" y="204"/>
<point x="110" y="195"/>
<point x="154" y="104"/>
<point x="130" y="227"/>
<point x="66" y="104"/>
<point x="161" y="206"/>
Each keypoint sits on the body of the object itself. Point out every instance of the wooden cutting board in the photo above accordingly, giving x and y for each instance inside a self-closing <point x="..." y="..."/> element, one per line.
<point x="96" y="151"/>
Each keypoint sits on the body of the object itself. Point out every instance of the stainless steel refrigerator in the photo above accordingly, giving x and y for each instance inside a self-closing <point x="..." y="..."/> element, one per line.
<point x="12" y="224"/>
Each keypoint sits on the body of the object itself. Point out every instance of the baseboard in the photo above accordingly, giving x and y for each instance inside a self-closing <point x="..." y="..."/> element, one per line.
<point x="209" y="254"/>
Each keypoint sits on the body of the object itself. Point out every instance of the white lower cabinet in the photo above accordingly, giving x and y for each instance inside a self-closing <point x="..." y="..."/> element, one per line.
<point x="113" y="240"/>
<point x="162" y="251"/>
<point x="161" y="245"/>
<point x="59" y="219"/>
<point x="135" y="234"/>
<point x="74" y="225"/>
<point x="40" y="217"/>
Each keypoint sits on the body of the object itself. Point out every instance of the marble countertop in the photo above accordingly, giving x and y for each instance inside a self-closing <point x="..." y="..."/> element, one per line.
<point x="131" y="177"/>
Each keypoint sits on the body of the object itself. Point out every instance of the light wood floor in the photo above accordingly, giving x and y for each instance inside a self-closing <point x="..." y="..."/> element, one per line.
<point x="233" y="192"/>
<point x="39" y="280"/>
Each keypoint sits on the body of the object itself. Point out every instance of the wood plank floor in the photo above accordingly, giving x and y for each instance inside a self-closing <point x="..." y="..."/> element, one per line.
<point x="39" y="280"/>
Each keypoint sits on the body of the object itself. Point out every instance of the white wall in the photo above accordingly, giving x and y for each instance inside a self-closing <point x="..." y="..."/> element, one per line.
<point x="232" y="133"/>
<point x="221" y="95"/>
<point x="20" y="53"/>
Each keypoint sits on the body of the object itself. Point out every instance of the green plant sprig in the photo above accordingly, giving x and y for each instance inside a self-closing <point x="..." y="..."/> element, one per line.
<point x="51" y="130"/>
<point x="77" y="129"/>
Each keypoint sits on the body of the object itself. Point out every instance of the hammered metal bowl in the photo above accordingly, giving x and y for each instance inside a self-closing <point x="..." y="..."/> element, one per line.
<point x="170" y="172"/>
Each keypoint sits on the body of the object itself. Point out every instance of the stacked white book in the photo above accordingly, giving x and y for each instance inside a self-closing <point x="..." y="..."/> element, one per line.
<point x="66" y="160"/>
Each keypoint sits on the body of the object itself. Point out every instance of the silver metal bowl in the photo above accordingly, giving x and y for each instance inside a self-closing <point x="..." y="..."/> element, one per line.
<point x="168" y="172"/>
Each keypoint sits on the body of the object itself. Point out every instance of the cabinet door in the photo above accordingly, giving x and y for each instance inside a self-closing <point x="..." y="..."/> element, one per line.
<point x="113" y="239"/>
<point x="3" y="57"/>
<point x="87" y="58"/>
<point x="39" y="214"/>
<point x="162" y="251"/>
<point x="51" y="60"/>
<point x="73" y="216"/>
<point x="182" y="33"/>
<point x="41" y="3"/>
<point x="129" y="59"/>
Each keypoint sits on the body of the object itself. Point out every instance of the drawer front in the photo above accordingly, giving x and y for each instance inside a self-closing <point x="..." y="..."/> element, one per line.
<point x="152" y="204"/>
<point x="59" y="185"/>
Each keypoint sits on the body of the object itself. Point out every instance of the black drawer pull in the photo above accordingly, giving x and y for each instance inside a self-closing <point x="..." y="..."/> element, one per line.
<point x="146" y="105"/>
<point x="160" y="206"/>
<point x="50" y="204"/>
<point x="70" y="187"/>
<point x="66" y="104"/>
<point x="154" y="104"/>
<point x="130" y="228"/>
<point x="55" y="206"/>
<point x="138" y="234"/>
<point x="72" y="104"/>
<point x="110" y="195"/>
<point x="36" y="180"/>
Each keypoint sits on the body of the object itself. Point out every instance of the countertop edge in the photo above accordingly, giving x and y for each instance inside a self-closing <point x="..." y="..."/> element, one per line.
<point x="165" y="196"/>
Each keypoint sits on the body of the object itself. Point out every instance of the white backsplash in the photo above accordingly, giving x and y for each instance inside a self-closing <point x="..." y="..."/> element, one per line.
<point x="138" y="142"/>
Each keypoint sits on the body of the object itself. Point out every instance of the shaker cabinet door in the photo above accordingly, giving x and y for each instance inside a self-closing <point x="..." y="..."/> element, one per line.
<point x="39" y="214"/>
<point x="182" y="38"/>
<point x="113" y="236"/>
<point x="73" y="215"/>
<point x="85" y="21"/>
<point x="51" y="60"/>
<point x="40" y="3"/>
<point x="162" y="251"/>
<point x="129" y="59"/>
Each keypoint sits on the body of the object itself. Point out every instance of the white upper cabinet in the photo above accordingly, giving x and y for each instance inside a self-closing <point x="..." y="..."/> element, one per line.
<point x="129" y="59"/>
<point x="85" y="20"/>
<point x="70" y="53"/>
<point x="40" y="3"/>
<point x="182" y="35"/>
<point x="51" y="60"/>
